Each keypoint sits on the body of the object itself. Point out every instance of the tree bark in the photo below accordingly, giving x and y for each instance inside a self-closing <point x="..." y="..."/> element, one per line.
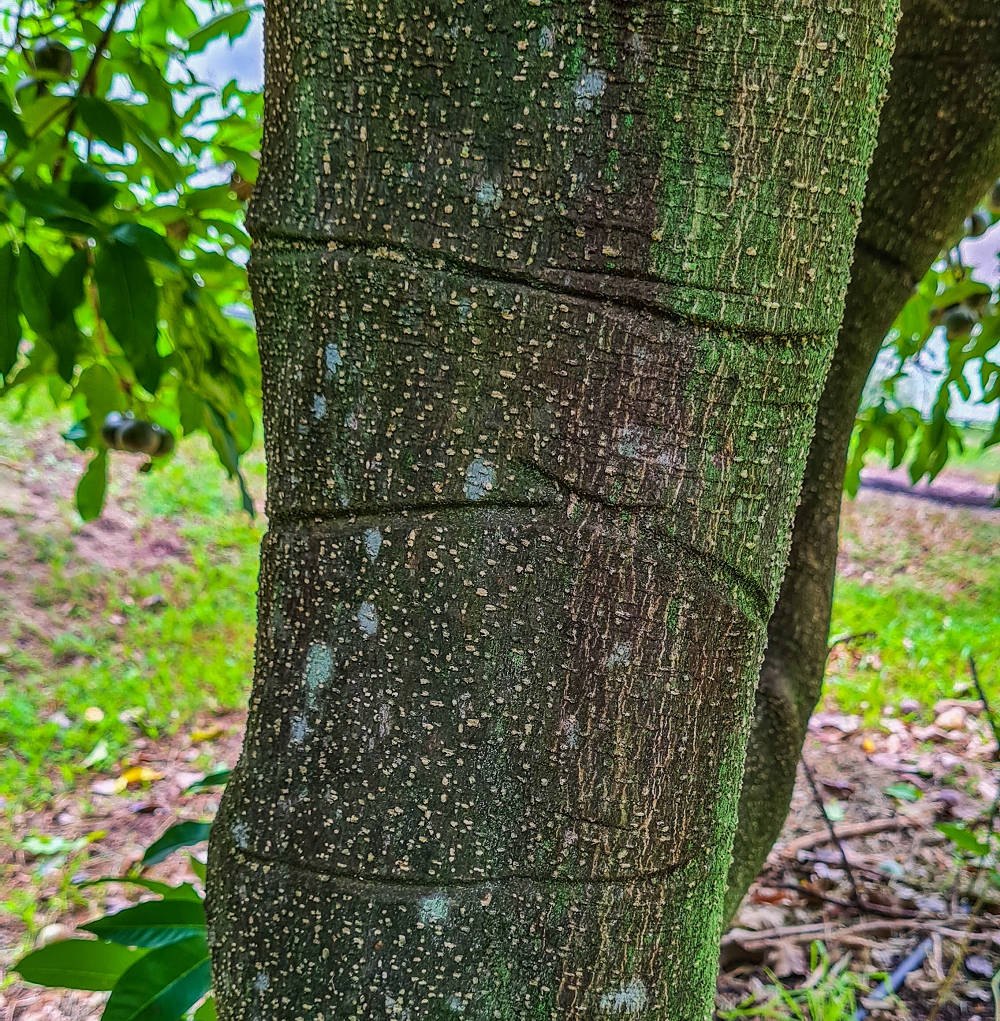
<point x="938" y="151"/>
<point x="546" y="296"/>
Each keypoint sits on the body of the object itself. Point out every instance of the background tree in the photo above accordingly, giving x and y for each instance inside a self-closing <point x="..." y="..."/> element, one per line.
<point x="124" y="178"/>
<point x="546" y="296"/>
<point x="938" y="152"/>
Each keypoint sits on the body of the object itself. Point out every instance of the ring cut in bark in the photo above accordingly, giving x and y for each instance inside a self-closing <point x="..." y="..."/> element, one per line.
<point x="546" y="296"/>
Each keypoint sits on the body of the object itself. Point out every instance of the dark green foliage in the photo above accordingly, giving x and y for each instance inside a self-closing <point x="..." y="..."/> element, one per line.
<point x="91" y="488"/>
<point x="163" y="985"/>
<point x="184" y="834"/>
<point x="10" y="308"/>
<point x="155" y="923"/>
<point x="966" y="313"/>
<point x="153" y="956"/>
<point x="109" y="216"/>
<point x="77" y="964"/>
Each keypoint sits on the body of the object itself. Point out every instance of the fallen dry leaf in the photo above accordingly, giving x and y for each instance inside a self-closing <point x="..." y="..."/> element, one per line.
<point x="140" y="774"/>
<point x="208" y="734"/>
<point x="786" y="958"/>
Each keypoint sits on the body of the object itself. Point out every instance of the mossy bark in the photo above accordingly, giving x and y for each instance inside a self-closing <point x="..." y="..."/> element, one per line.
<point x="546" y="295"/>
<point x="938" y="151"/>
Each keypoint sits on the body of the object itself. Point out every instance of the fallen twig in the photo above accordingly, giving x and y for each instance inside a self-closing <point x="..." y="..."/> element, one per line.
<point x="750" y="940"/>
<point x="818" y="798"/>
<point x="854" y="829"/>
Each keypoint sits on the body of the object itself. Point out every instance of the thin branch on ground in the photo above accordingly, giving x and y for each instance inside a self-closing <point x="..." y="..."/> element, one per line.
<point x="833" y="833"/>
<point x="821" y="930"/>
<point x="857" y="829"/>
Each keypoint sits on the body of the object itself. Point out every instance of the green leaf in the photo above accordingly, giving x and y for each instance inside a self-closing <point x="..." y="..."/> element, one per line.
<point x="904" y="791"/>
<point x="102" y="120"/>
<point x="12" y="127"/>
<point x="91" y="488"/>
<point x="129" y="307"/>
<point x="197" y="866"/>
<point x="206" y="1012"/>
<point x="89" y="187"/>
<point x="219" y="779"/>
<point x="225" y="447"/>
<point x="77" y="964"/>
<point x="35" y="284"/>
<point x="963" y="838"/>
<point x="183" y="834"/>
<point x="146" y="241"/>
<point x="164" y="985"/>
<point x="67" y="292"/>
<point x="154" y="923"/>
<point x="231" y="23"/>
<point x="102" y="391"/>
<point x="64" y="338"/>
<point x="56" y="209"/>
<point x="10" y="310"/>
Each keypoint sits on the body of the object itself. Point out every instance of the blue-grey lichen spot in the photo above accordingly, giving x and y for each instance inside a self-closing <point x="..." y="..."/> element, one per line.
<point x="240" y="834"/>
<point x="628" y="998"/>
<point x="620" y="655"/>
<point x="395" y="1008"/>
<point x="571" y="729"/>
<point x="262" y="982"/>
<point x="489" y="196"/>
<point x="373" y="542"/>
<point x="456" y="1004"/>
<point x="480" y="478"/>
<point x="333" y="359"/>
<point x="367" y="619"/>
<point x="319" y="668"/>
<point x="465" y="310"/>
<point x="433" y="909"/>
<point x="590" y="86"/>
<point x="546" y="39"/>
<point x="319" y="406"/>
<point x="297" y="730"/>
<point x="630" y="441"/>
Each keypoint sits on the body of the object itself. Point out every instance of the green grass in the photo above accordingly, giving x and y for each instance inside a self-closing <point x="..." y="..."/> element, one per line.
<point x="76" y="636"/>
<point x="926" y="580"/>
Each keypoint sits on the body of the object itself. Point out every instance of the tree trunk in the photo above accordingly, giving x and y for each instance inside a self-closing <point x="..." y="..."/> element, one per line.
<point x="546" y="296"/>
<point x="938" y="151"/>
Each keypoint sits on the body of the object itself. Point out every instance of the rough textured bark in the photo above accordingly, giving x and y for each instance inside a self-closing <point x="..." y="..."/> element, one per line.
<point x="938" y="151"/>
<point x="546" y="295"/>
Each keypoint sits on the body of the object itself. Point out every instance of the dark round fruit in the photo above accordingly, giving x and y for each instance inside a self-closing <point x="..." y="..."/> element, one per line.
<point x="109" y="431"/>
<point x="958" y="321"/>
<point x="126" y="432"/>
<point x="139" y="437"/>
<point x="166" y="440"/>
<point x="54" y="56"/>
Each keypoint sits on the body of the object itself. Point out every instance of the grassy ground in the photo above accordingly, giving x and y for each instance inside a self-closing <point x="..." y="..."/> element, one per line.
<point x="129" y="626"/>
<point x="121" y="628"/>
<point x="925" y="579"/>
